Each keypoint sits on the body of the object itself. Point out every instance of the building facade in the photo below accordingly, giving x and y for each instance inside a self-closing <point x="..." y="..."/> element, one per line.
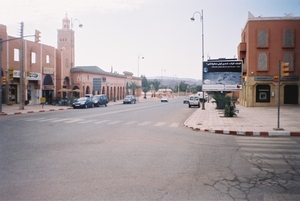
<point x="50" y="72"/>
<point x="266" y="41"/>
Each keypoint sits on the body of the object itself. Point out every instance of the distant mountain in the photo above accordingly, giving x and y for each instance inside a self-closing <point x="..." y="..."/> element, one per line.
<point x="173" y="81"/>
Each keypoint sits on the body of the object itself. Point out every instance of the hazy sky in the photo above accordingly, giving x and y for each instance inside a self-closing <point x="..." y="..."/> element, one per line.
<point x="115" y="32"/>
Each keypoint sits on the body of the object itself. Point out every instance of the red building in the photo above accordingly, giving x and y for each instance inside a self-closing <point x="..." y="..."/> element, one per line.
<point x="264" y="42"/>
<point x="50" y="72"/>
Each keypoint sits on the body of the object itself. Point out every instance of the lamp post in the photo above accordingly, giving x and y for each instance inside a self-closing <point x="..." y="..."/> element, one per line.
<point x="142" y="57"/>
<point x="72" y="48"/>
<point x="201" y="19"/>
<point x="72" y="40"/>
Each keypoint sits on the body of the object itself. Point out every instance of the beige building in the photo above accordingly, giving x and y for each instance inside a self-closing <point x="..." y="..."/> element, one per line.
<point x="264" y="42"/>
<point x="51" y="73"/>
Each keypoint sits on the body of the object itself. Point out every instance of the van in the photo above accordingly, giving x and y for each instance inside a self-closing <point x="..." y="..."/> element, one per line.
<point x="100" y="100"/>
<point x="194" y="100"/>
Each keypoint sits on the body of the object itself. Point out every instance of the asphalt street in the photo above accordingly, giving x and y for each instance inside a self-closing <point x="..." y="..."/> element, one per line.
<point x="141" y="151"/>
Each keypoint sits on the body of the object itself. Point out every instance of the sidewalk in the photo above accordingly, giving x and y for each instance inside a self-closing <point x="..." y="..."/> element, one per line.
<point x="256" y="121"/>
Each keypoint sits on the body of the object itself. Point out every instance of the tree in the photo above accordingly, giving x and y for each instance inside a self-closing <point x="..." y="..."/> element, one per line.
<point x="155" y="83"/>
<point x="133" y="86"/>
<point x="145" y="85"/>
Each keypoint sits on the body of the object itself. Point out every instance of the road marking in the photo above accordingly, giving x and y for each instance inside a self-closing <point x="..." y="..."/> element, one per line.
<point x="130" y="123"/>
<point x="59" y="120"/>
<point x="74" y="120"/>
<point x="87" y="121"/>
<point x="102" y="121"/>
<point x="144" y="123"/>
<point x="114" y="122"/>
<point x="160" y="124"/>
<point x="34" y="119"/>
<point x="52" y="119"/>
<point x="174" y="125"/>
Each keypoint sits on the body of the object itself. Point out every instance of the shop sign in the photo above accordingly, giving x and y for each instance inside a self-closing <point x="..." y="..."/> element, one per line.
<point x="34" y="76"/>
<point x="263" y="78"/>
<point x="48" y="70"/>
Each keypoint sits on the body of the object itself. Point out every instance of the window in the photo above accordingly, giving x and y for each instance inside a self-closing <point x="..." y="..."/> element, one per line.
<point x="262" y="61"/>
<point x="47" y="59"/>
<point x="262" y="39"/>
<point x="16" y="55"/>
<point x="33" y="57"/>
<point x="288" y="39"/>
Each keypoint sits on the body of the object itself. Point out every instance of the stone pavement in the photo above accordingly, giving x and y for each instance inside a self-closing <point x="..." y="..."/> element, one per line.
<point x="255" y="121"/>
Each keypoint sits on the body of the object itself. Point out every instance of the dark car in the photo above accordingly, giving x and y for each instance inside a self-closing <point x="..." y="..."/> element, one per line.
<point x="83" y="102"/>
<point x="100" y="100"/>
<point x="129" y="99"/>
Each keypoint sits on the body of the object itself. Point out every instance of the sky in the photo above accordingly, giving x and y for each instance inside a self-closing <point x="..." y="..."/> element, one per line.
<point x="145" y="37"/>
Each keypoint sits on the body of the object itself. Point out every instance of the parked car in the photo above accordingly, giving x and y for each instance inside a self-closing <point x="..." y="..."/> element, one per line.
<point x="186" y="100"/>
<point x="194" y="100"/>
<point x="164" y="99"/>
<point x="89" y="95"/>
<point x="83" y="102"/>
<point x="100" y="100"/>
<point x="129" y="99"/>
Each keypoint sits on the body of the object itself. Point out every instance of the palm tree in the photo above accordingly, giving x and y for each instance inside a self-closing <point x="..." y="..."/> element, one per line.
<point x="133" y="86"/>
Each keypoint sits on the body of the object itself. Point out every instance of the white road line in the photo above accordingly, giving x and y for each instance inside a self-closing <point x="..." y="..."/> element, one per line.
<point x="59" y="120"/>
<point x="33" y="119"/>
<point x="160" y="124"/>
<point x="52" y="119"/>
<point x="73" y="120"/>
<point x="102" y="121"/>
<point x="174" y="125"/>
<point x="87" y="121"/>
<point x="145" y="123"/>
<point x="130" y="123"/>
<point x="114" y="122"/>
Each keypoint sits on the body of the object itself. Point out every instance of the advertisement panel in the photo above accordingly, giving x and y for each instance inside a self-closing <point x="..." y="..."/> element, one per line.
<point x="222" y="75"/>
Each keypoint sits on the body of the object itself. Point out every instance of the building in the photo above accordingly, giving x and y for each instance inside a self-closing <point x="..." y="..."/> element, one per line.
<point x="50" y="72"/>
<point x="264" y="42"/>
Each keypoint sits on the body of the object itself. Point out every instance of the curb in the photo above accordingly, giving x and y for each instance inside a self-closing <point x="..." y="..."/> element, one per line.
<point x="33" y="111"/>
<point x="249" y="133"/>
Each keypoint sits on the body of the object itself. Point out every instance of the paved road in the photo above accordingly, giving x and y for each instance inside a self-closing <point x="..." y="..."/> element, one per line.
<point x="139" y="152"/>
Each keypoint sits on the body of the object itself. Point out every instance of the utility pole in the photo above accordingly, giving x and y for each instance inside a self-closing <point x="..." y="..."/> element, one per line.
<point x="1" y="75"/>
<point x="21" y="106"/>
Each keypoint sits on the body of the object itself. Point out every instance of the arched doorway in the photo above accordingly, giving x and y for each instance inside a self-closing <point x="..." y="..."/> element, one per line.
<point x="48" y="88"/>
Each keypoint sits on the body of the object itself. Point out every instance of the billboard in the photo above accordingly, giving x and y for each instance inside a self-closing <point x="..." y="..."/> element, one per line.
<point x="222" y="75"/>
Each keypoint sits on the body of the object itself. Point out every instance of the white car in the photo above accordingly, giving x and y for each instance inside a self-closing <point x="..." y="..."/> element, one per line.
<point x="164" y="99"/>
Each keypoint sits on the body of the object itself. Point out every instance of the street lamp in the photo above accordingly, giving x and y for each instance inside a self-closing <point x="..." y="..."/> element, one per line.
<point x="201" y="19"/>
<point x="72" y="40"/>
<point x="139" y="63"/>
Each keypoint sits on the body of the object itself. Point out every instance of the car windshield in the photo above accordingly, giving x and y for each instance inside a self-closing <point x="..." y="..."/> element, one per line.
<point x="81" y="99"/>
<point x="128" y="97"/>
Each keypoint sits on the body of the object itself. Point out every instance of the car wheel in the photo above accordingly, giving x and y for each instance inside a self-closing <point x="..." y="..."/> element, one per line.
<point x="73" y="107"/>
<point x="105" y="105"/>
<point x="98" y="105"/>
